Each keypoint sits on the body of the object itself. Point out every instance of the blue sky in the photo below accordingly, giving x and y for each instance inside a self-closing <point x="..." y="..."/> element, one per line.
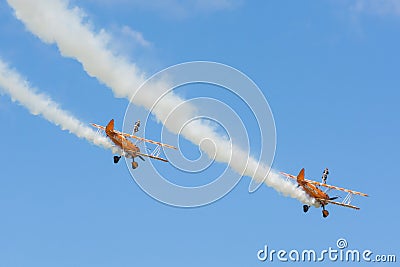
<point x="329" y="71"/>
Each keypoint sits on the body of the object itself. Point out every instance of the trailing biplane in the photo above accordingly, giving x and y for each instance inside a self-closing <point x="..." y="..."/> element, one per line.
<point x="128" y="148"/>
<point x="312" y="188"/>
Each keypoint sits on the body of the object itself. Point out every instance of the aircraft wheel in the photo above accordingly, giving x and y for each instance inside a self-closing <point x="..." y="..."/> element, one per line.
<point x="305" y="208"/>
<point x="134" y="164"/>
<point x="325" y="213"/>
<point x="116" y="159"/>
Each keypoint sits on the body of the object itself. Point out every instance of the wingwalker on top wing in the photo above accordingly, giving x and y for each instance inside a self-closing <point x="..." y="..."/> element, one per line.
<point x="129" y="149"/>
<point x="322" y="197"/>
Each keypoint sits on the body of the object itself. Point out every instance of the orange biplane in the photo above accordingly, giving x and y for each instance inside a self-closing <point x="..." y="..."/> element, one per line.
<point x="322" y="197"/>
<point x="129" y="149"/>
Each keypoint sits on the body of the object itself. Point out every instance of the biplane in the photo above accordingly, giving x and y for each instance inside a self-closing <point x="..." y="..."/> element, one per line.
<point x="128" y="148"/>
<point x="312" y="188"/>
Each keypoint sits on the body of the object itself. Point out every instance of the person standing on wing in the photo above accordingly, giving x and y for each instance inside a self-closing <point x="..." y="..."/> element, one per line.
<point x="325" y="175"/>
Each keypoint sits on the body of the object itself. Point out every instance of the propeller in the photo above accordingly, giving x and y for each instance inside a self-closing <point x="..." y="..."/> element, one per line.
<point x="141" y="158"/>
<point x="333" y="198"/>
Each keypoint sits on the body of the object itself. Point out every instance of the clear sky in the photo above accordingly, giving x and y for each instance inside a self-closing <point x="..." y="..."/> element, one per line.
<point x="329" y="71"/>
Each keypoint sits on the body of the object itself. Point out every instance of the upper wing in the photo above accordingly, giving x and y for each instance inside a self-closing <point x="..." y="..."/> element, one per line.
<point x="339" y="188"/>
<point x="339" y="203"/>
<point x="98" y="126"/>
<point x="148" y="140"/>
<point x="288" y="175"/>
<point x="135" y="137"/>
<point x="327" y="185"/>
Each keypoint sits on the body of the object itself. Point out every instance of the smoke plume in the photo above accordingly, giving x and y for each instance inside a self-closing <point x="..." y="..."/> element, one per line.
<point x="55" y="22"/>
<point x="20" y="91"/>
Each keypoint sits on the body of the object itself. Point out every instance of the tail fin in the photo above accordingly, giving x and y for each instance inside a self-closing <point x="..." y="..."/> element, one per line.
<point x="300" y="176"/>
<point x="110" y="126"/>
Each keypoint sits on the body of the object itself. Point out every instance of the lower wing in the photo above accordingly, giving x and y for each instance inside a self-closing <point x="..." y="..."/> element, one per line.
<point x="338" y="203"/>
<point x="151" y="156"/>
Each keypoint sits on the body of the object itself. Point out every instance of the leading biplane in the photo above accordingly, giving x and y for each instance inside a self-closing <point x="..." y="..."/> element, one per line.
<point x="312" y="188"/>
<point x="128" y="148"/>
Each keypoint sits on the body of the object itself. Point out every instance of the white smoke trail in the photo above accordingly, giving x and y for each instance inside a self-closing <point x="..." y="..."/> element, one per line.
<point x="56" y="23"/>
<point x="19" y="90"/>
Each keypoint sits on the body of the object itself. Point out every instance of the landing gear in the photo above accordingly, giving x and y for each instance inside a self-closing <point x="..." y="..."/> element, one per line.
<point x="325" y="213"/>
<point x="116" y="159"/>
<point x="134" y="164"/>
<point x="305" y="208"/>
